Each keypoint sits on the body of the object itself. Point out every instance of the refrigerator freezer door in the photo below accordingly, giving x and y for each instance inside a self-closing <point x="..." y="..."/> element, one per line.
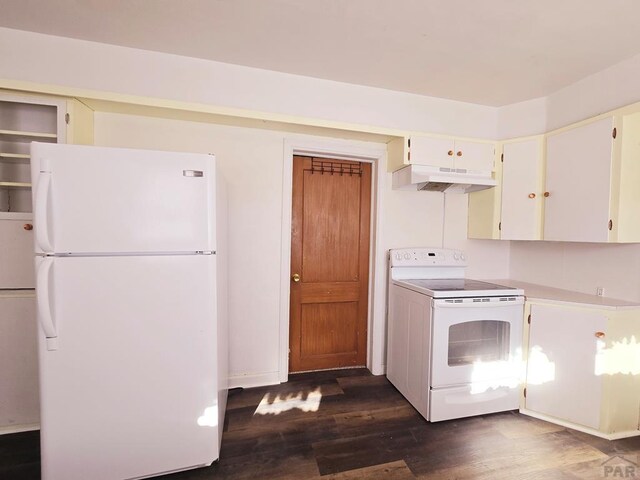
<point x="109" y="200"/>
<point x="132" y="388"/>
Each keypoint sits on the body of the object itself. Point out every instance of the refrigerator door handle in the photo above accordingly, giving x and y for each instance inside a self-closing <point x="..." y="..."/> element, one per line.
<point x="42" y="212"/>
<point x="45" y="316"/>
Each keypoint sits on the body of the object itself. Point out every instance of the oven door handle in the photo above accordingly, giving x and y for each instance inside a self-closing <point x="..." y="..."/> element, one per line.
<point x="443" y="304"/>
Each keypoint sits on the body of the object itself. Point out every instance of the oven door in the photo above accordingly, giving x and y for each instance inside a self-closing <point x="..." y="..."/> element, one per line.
<point x="477" y="342"/>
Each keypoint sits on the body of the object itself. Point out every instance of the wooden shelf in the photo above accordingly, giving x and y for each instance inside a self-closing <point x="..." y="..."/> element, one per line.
<point x="15" y="184"/>
<point x="26" y="136"/>
<point x="14" y="157"/>
<point x="16" y="216"/>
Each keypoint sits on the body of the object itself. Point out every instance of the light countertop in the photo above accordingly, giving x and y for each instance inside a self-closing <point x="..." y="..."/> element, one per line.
<point x="534" y="292"/>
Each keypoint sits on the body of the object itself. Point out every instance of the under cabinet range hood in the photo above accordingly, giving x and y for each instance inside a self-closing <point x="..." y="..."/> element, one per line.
<point x="441" y="179"/>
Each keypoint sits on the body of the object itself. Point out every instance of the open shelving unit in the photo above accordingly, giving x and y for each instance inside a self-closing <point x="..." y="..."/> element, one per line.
<point x="24" y="119"/>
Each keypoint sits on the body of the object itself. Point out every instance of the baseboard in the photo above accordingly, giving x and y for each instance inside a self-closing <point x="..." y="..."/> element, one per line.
<point x="254" y="380"/>
<point x="580" y="428"/>
<point x="19" y="428"/>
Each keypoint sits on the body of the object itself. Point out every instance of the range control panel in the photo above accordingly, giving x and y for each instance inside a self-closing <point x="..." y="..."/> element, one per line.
<point x="426" y="257"/>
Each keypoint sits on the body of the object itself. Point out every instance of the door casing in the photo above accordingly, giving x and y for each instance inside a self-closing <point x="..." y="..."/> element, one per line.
<point x="369" y="152"/>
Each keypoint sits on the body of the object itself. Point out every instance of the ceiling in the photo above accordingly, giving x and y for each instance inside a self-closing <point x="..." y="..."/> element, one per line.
<point x="489" y="52"/>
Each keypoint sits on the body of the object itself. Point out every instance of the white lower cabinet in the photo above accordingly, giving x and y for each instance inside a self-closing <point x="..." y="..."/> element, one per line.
<point x="19" y="405"/>
<point x="583" y="368"/>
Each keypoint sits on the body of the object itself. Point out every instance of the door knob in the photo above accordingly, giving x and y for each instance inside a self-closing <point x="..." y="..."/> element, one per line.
<point x="295" y="277"/>
<point x="599" y="334"/>
<point x="546" y="194"/>
<point x="450" y="153"/>
<point x="532" y="195"/>
<point x="27" y="226"/>
<point x="459" y="153"/>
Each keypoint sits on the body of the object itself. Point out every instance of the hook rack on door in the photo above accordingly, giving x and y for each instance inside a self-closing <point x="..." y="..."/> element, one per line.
<point x="332" y="167"/>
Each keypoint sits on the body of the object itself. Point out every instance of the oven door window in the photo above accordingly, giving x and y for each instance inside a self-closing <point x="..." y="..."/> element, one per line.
<point x="478" y="341"/>
<point x="469" y="339"/>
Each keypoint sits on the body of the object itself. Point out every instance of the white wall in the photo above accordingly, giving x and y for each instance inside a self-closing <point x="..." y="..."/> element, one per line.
<point x="576" y="266"/>
<point x="91" y="69"/>
<point x="606" y="90"/>
<point x="601" y="92"/>
<point x="252" y="162"/>
<point x="582" y="267"/>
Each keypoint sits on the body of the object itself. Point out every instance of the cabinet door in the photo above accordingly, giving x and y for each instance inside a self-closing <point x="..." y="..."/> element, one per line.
<point x="438" y="152"/>
<point x="474" y="155"/>
<point x="19" y="359"/>
<point x="579" y="181"/>
<point x="561" y="369"/>
<point x="16" y="254"/>
<point x="521" y="190"/>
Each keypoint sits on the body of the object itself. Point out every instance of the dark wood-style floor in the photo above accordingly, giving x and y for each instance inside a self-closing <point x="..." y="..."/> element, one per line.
<point x="348" y="424"/>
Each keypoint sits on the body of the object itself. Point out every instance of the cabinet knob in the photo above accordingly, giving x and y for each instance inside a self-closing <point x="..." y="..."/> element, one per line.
<point x="450" y="153"/>
<point x="27" y="226"/>
<point x="599" y="334"/>
<point x="532" y="195"/>
<point x="459" y="153"/>
<point x="295" y="277"/>
<point x="546" y="194"/>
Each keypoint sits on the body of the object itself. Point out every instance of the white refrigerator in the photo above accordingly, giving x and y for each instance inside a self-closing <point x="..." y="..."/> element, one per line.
<point x="131" y="295"/>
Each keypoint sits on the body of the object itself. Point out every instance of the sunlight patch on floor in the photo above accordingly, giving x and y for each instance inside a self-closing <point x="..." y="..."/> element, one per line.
<point x="307" y="402"/>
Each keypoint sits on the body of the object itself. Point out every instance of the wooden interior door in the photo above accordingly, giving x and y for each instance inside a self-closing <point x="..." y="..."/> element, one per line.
<point x="329" y="263"/>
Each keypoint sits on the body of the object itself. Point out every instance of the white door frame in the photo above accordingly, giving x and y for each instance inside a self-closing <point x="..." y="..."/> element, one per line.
<point x="344" y="150"/>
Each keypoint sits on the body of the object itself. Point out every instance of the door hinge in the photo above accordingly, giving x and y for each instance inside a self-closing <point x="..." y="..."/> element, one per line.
<point x="610" y="224"/>
<point x="67" y="118"/>
<point x="502" y="157"/>
<point x="500" y="226"/>
<point x="614" y="133"/>
<point x="525" y="392"/>
<point x="529" y="319"/>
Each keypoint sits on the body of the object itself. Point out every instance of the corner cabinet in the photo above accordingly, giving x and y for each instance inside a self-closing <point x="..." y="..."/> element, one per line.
<point x="25" y="119"/>
<point x="577" y="184"/>
<point x="441" y="152"/>
<point x="583" y="367"/>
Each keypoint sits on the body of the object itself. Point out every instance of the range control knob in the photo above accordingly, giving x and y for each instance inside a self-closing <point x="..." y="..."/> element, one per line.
<point x="407" y="256"/>
<point x="462" y="257"/>
<point x="398" y="256"/>
<point x="455" y="257"/>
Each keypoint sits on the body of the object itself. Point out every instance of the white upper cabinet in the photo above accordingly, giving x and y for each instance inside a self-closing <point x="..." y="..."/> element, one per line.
<point x="441" y="152"/>
<point x="522" y="190"/>
<point x="474" y="155"/>
<point x="585" y="189"/>
<point x="592" y="180"/>
<point x="578" y="182"/>
<point x="448" y="153"/>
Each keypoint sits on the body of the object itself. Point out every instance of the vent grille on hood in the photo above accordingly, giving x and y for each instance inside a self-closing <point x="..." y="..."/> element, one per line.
<point x="440" y="179"/>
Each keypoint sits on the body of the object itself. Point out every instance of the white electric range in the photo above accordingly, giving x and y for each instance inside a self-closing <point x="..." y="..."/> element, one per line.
<point x="454" y="345"/>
